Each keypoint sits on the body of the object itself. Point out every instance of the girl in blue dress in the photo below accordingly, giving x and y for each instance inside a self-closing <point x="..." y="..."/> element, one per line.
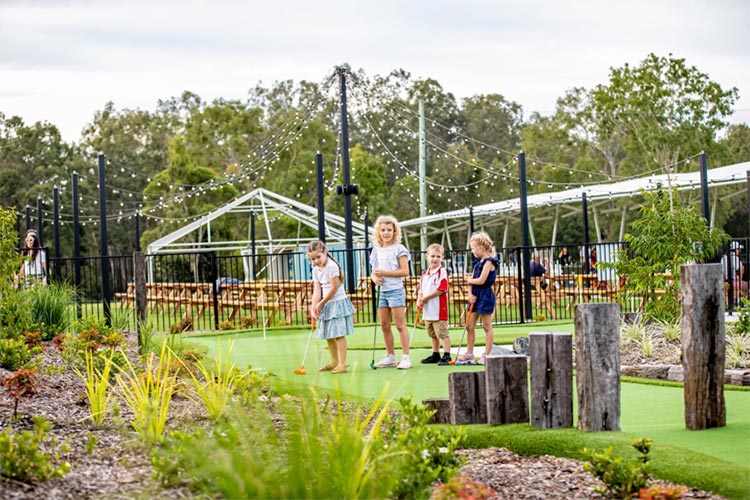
<point x="330" y="306"/>
<point x="481" y="294"/>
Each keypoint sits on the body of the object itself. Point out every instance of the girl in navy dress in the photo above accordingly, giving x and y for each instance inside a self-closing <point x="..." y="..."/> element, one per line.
<point x="481" y="294"/>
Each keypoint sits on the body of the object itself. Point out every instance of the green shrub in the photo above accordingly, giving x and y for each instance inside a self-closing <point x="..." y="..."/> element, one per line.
<point x="15" y="317"/>
<point x="16" y="353"/>
<point x="621" y="478"/>
<point x="22" y="457"/>
<point x="50" y="308"/>
<point x="429" y="452"/>
<point x="289" y="449"/>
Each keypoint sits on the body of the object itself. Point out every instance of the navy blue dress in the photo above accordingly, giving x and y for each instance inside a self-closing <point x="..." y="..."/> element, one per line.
<point x="485" y="303"/>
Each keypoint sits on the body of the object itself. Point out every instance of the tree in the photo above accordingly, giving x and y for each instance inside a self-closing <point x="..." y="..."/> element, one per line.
<point x="666" y="109"/>
<point x="662" y="240"/>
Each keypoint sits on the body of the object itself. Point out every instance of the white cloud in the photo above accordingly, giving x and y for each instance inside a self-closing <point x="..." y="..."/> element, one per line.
<point x="62" y="61"/>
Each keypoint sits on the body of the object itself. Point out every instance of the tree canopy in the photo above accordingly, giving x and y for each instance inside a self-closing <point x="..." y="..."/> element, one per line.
<point x="189" y="156"/>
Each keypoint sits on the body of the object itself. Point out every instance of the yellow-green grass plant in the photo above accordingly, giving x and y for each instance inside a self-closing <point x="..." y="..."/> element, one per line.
<point x="214" y="386"/>
<point x="97" y="386"/>
<point x="149" y="394"/>
<point x="323" y="452"/>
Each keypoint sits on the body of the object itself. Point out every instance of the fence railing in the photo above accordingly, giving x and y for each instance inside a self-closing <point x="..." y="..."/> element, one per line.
<point x="211" y="291"/>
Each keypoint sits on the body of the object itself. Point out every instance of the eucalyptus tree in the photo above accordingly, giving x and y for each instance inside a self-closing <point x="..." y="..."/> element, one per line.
<point x="667" y="110"/>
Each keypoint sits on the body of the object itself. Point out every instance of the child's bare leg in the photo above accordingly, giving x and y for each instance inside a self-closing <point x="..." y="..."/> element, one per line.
<point x="341" y="351"/>
<point x="435" y="344"/>
<point x="446" y="346"/>
<point x="471" y="323"/>
<point x="385" y="326"/>
<point x="399" y="317"/>
<point x="334" y="354"/>
<point x="489" y="333"/>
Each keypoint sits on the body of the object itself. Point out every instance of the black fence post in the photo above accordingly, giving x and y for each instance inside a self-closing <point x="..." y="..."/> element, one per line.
<point x="215" y="287"/>
<point x="104" y="242"/>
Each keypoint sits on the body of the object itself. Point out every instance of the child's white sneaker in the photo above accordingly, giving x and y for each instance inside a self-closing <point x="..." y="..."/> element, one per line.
<point x="387" y="362"/>
<point x="404" y="364"/>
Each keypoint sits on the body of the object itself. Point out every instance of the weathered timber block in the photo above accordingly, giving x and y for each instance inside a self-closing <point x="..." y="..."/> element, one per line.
<point x="442" y="408"/>
<point x="703" y="347"/>
<point x="139" y="278"/>
<point x="597" y="334"/>
<point x="646" y="371"/>
<point x="507" y="391"/>
<point x="676" y="373"/>
<point x="468" y="403"/>
<point x="551" y="359"/>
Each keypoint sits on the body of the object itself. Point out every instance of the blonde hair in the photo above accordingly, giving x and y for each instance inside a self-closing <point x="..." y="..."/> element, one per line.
<point x="319" y="246"/>
<point x="386" y="219"/>
<point x="437" y="247"/>
<point x="483" y="240"/>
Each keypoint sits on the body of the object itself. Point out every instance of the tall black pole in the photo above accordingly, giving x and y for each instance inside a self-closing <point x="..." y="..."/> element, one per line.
<point x="526" y="262"/>
<point x="103" y="236"/>
<point x="585" y="264"/>
<point x="138" y="230"/>
<point x="471" y="219"/>
<point x="28" y="217"/>
<point x="76" y="243"/>
<point x="321" y="197"/>
<point x="704" y="188"/>
<point x="347" y="189"/>
<point x="56" y="219"/>
<point x="39" y="220"/>
<point x="748" y="203"/>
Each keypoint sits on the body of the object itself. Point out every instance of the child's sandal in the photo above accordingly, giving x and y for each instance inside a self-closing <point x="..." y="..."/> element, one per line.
<point x="327" y="368"/>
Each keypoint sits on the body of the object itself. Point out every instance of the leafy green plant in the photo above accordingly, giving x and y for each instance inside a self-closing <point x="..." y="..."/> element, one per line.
<point x="91" y="441"/>
<point x="742" y="325"/>
<point x="671" y="331"/>
<point x="146" y="332"/>
<point x="215" y="386"/>
<point x="459" y="487"/>
<point x="10" y="260"/>
<point x="621" y="478"/>
<point x="15" y="317"/>
<point x="737" y="350"/>
<point x="246" y="456"/>
<point x="16" y="353"/>
<point x="120" y="317"/>
<point x="22" y="457"/>
<point x="97" y="385"/>
<point x="664" y="238"/>
<point x="21" y="384"/>
<point x="429" y="452"/>
<point x="50" y="308"/>
<point x="149" y="394"/>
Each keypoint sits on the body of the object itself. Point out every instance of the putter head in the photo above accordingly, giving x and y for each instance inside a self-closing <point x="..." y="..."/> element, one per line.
<point x="372" y="365"/>
<point x="300" y="371"/>
<point x="453" y="362"/>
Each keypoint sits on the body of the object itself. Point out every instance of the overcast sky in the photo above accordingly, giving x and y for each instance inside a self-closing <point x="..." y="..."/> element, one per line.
<point x="61" y="60"/>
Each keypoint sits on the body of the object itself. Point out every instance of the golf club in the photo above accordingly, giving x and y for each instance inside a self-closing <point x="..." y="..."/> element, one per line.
<point x="458" y="353"/>
<point x="301" y="370"/>
<point x="375" y="331"/>
<point x="414" y="329"/>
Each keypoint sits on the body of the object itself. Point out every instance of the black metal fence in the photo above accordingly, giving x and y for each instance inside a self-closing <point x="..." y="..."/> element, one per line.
<point x="211" y="291"/>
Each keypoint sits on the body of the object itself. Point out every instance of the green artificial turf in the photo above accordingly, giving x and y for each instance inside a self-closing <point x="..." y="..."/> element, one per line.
<point x="715" y="459"/>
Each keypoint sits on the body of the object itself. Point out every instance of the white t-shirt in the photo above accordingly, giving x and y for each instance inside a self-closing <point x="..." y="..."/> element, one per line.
<point x="386" y="258"/>
<point x="34" y="268"/>
<point x="436" y="308"/>
<point x="324" y="276"/>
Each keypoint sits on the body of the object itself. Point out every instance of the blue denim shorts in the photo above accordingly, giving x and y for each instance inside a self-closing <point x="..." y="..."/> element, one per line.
<point x="392" y="298"/>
